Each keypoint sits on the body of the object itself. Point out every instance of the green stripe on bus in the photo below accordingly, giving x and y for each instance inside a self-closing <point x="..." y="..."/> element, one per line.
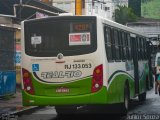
<point x="92" y="98"/>
<point x="82" y="86"/>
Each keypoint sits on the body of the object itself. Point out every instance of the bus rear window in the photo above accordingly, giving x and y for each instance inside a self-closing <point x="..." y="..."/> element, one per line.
<point x="67" y="36"/>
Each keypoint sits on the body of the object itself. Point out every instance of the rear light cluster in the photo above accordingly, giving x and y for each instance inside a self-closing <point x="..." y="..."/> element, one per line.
<point x="97" y="80"/>
<point x="27" y="82"/>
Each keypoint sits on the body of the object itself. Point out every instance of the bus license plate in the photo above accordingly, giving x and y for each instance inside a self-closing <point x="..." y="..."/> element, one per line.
<point x="62" y="90"/>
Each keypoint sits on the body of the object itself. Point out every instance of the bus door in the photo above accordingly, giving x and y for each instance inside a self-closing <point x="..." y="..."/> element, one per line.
<point x="135" y="62"/>
<point x="149" y="49"/>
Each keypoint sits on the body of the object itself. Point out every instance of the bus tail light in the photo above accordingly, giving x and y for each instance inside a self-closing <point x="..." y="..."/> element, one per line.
<point x="28" y="87"/>
<point x="97" y="80"/>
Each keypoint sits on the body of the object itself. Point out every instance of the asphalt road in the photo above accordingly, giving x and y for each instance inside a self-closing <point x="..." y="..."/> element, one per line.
<point x="148" y="110"/>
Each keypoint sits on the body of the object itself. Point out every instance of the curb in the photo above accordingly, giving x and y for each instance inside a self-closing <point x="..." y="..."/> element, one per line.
<point x="25" y="110"/>
<point x="18" y="111"/>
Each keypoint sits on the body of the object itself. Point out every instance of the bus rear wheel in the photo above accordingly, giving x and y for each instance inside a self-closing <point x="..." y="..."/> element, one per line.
<point x="125" y="104"/>
<point x="63" y="111"/>
<point x="142" y="97"/>
<point x="126" y="98"/>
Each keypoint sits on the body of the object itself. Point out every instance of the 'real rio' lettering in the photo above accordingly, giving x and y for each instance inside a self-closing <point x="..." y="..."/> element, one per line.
<point x="61" y="74"/>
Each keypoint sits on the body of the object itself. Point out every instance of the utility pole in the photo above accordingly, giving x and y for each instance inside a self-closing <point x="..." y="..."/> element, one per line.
<point x="78" y="7"/>
<point x="49" y="2"/>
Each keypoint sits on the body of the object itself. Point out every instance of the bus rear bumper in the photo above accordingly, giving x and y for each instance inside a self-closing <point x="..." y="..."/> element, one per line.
<point x="99" y="97"/>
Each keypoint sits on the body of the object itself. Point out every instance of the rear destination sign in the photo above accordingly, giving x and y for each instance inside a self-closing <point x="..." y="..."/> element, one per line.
<point x="79" y="39"/>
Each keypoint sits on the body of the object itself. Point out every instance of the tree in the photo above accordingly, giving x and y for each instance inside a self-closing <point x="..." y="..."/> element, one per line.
<point x="136" y="6"/>
<point x="124" y="14"/>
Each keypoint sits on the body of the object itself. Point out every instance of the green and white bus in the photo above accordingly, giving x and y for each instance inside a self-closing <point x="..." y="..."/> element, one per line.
<point x="71" y="62"/>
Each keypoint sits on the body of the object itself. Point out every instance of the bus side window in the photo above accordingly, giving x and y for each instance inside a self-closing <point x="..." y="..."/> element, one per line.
<point x="145" y="48"/>
<point x="142" y="42"/>
<point x="108" y="45"/>
<point x="123" y="46"/>
<point x="129" y="46"/>
<point x="117" y="52"/>
<point x="120" y="44"/>
<point x="112" y="43"/>
<point x="141" y="48"/>
<point x="138" y="48"/>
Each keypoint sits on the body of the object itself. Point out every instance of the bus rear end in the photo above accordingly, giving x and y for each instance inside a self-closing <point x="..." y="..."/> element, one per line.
<point x="61" y="63"/>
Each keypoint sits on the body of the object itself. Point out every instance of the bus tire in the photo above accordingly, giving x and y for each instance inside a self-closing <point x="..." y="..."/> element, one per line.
<point x="125" y="104"/>
<point x="63" y="111"/>
<point x="147" y="83"/>
<point x="142" y="97"/>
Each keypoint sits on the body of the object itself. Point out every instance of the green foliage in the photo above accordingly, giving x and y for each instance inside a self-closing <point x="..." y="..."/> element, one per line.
<point x="136" y="6"/>
<point x="124" y="14"/>
<point x="151" y="9"/>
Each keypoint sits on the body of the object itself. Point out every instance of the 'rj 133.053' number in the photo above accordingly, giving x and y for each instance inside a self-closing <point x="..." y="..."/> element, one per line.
<point x="78" y="66"/>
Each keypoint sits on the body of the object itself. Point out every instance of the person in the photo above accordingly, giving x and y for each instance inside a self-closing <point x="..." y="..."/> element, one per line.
<point x="157" y="73"/>
<point x="157" y="84"/>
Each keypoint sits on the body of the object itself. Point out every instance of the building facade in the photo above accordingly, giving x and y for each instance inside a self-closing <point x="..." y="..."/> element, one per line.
<point x="150" y="27"/>
<point x="12" y="12"/>
<point x="104" y="8"/>
<point x="66" y="5"/>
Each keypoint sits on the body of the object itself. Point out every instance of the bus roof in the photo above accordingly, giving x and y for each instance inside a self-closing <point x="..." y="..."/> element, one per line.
<point x="104" y="20"/>
<point x="123" y="27"/>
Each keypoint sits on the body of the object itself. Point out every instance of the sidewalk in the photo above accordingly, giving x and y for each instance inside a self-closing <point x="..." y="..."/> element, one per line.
<point x="13" y="103"/>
